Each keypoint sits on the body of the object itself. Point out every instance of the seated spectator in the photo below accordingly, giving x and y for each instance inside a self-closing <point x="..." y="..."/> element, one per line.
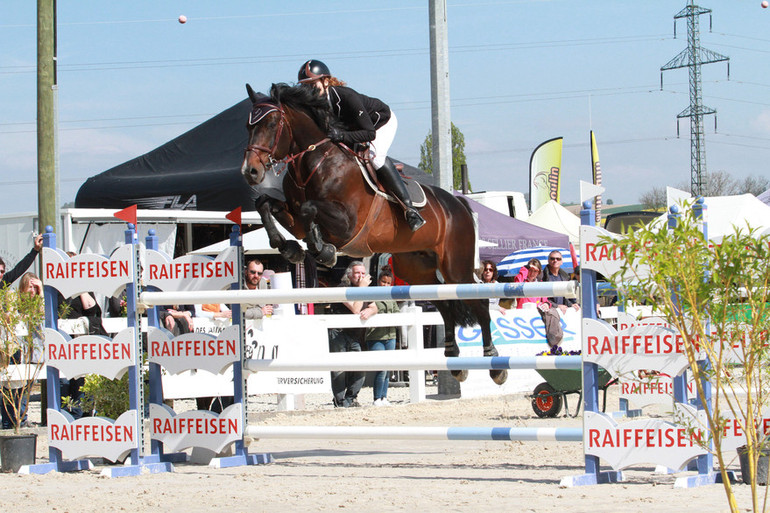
<point x="178" y="319"/>
<point x="554" y="272"/>
<point x="254" y="270"/>
<point x="213" y="311"/>
<point x="488" y="274"/>
<point x="529" y="274"/>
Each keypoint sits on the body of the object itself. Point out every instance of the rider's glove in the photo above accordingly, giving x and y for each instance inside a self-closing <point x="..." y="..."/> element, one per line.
<point x="335" y="135"/>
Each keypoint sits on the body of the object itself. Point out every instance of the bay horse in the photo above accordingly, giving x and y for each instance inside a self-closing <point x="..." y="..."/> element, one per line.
<point x="329" y="205"/>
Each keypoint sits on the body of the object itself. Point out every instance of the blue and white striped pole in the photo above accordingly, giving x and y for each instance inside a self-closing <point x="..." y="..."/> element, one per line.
<point x="342" y="294"/>
<point x="403" y="360"/>
<point x="417" y="433"/>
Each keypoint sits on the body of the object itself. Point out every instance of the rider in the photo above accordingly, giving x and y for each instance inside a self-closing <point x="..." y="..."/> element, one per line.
<point x="365" y="120"/>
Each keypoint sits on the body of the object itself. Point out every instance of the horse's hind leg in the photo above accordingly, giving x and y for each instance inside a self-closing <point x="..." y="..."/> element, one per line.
<point x="446" y="309"/>
<point x="480" y="309"/>
<point x="420" y="268"/>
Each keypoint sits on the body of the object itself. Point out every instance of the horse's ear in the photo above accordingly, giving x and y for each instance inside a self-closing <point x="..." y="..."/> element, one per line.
<point x="252" y="94"/>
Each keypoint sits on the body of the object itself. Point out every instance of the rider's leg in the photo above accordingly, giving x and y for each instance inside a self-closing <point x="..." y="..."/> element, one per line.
<point x="388" y="176"/>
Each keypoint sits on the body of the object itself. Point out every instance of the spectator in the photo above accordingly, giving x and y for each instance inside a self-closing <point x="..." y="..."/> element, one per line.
<point x="11" y="276"/>
<point x="81" y="305"/>
<point x="84" y="305"/>
<point x="346" y="385"/>
<point x="528" y="274"/>
<point x="213" y="311"/>
<point x="382" y="338"/>
<point x="488" y="274"/>
<point x="178" y="319"/>
<point x="554" y="272"/>
<point x="254" y="271"/>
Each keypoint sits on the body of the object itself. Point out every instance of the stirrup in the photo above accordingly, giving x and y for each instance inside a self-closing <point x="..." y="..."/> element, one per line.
<point x="414" y="219"/>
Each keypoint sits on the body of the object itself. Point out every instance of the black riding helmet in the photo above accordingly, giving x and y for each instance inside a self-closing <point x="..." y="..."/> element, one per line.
<point x="313" y="70"/>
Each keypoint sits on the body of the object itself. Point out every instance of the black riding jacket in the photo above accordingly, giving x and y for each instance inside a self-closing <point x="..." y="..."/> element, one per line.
<point x="360" y="115"/>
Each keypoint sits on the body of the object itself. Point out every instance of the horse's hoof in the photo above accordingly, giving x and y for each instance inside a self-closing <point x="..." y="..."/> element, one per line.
<point x="498" y="376"/>
<point x="460" y="375"/>
<point x="327" y="256"/>
<point x="293" y="252"/>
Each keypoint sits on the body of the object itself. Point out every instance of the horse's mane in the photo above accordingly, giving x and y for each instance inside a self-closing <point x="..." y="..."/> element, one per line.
<point x="305" y="99"/>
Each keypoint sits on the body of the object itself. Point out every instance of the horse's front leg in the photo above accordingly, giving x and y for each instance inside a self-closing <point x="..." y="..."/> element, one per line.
<point x="289" y="249"/>
<point x="324" y="253"/>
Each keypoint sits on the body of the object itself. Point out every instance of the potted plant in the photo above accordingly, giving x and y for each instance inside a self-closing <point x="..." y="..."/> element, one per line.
<point x="760" y="464"/>
<point x="21" y="359"/>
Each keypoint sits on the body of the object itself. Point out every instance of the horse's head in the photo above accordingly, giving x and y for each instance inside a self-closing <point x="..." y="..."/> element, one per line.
<point x="269" y="136"/>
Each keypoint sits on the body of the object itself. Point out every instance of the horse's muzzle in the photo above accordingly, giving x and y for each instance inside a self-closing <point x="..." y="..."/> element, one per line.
<point x="253" y="173"/>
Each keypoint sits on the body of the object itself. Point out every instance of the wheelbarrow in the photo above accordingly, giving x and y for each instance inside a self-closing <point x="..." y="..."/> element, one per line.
<point x="548" y="397"/>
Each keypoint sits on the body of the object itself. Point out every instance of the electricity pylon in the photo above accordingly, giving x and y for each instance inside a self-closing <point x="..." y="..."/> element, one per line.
<point x="693" y="57"/>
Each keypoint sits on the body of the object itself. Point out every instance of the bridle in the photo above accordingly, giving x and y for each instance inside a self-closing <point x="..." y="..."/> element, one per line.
<point x="258" y="113"/>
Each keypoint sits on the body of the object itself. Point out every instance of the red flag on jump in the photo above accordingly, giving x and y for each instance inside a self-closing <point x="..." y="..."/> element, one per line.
<point x="128" y="214"/>
<point x="235" y="216"/>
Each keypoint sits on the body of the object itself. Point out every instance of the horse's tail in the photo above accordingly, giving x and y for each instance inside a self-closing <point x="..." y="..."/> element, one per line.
<point x="465" y="203"/>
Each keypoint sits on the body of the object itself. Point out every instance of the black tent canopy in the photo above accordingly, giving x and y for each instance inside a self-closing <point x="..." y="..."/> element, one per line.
<point x="199" y="170"/>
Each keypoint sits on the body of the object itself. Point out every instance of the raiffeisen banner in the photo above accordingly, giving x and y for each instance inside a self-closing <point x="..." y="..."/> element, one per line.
<point x="545" y="173"/>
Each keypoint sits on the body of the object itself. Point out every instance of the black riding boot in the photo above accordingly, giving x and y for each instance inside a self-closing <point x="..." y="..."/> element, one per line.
<point x="391" y="180"/>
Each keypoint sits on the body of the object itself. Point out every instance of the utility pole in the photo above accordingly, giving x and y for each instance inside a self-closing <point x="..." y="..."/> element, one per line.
<point x="439" y="95"/>
<point x="693" y="57"/>
<point x="47" y="179"/>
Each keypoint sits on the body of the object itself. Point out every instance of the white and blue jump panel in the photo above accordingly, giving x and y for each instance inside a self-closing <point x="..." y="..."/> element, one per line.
<point x="408" y="360"/>
<point x="416" y="433"/>
<point x="342" y="294"/>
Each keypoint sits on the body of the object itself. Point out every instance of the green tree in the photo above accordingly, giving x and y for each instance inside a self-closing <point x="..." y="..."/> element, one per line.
<point x="458" y="157"/>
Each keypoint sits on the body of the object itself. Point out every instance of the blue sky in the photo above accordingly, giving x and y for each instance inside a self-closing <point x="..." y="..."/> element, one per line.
<point x="131" y="78"/>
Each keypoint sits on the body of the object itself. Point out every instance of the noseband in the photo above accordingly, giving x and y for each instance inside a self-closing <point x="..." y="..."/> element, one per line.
<point x="258" y="113"/>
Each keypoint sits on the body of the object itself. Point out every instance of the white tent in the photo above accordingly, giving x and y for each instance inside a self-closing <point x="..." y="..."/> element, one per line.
<point x="553" y="216"/>
<point x="254" y="243"/>
<point x="765" y="197"/>
<point x="726" y="213"/>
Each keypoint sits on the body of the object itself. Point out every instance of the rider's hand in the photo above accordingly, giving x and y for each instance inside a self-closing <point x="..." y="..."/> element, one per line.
<point x="335" y="135"/>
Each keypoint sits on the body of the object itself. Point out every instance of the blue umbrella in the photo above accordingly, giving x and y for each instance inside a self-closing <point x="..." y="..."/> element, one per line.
<point x="510" y="265"/>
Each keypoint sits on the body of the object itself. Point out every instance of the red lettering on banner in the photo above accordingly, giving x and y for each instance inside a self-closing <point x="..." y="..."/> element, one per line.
<point x="92" y="433"/>
<point x="636" y="344"/>
<point x="74" y="350"/>
<point x="195" y="425"/>
<point x="191" y="270"/>
<point x="86" y="269"/>
<point x="202" y="347"/>
<point x="643" y="437"/>
<point x="605" y="252"/>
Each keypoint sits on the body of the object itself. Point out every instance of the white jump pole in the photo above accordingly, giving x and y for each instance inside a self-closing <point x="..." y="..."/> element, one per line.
<point x="406" y="360"/>
<point x="416" y="433"/>
<point x="341" y="294"/>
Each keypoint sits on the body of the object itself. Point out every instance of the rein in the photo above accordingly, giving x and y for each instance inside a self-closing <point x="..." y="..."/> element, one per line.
<point x="290" y="158"/>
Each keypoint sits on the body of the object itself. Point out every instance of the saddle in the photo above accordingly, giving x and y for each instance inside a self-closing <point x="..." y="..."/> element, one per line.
<point x="413" y="187"/>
